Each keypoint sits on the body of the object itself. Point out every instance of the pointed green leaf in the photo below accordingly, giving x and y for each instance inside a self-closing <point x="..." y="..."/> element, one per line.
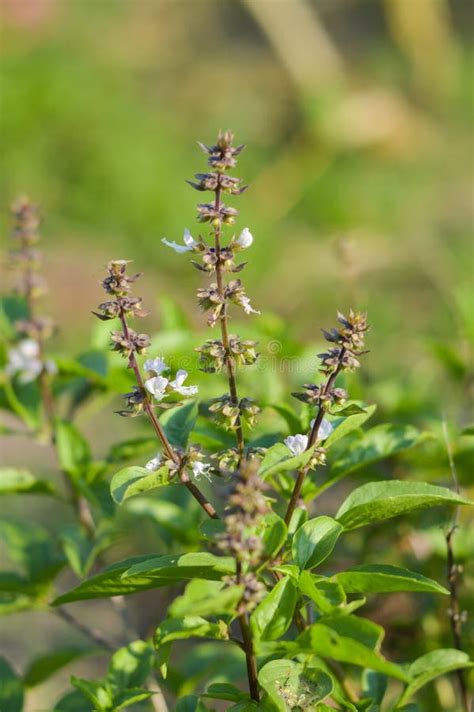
<point x="16" y="481"/>
<point x="206" y="598"/>
<point x="272" y="530"/>
<point x="136" y="480"/>
<point x="344" y="426"/>
<point x="290" y="685"/>
<point x="328" y="596"/>
<point x="130" y="667"/>
<point x="376" y="501"/>
<point x="143" y="573"/>
<point x="278" y="458"/>
<point x="11" y="688"/>
<point x="272" y="617"/>
<point x="322" y="640"/>
<point x="72" y="448"/>
<point x="314" y="541"/>
<point x="381" y="578"/>
<point x="431" y="666"/>
<point x="43" y="666"/>
<point x="179" y="423"/>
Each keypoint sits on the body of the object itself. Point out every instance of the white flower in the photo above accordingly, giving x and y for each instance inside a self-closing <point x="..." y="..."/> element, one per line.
<point x="189" y="243"/>
<point x="157" y="365"/>
<point x="155" y="463"/>
<point x="296" y="444"/>
<point x="177" y="384"/>
<point x="25" y="359"/>
<point x="245" y="239"/>
<point x="157" y="387"/>
<point x="201" y="468"/>
<point x="325" y="429"/>
<point x="248" y="308"/>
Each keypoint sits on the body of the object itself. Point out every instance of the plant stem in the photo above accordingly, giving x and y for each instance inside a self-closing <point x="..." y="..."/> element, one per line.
<point x="246" y="632"/>
<point x="312" y="439"/>
<point x="224" y="325"/>
<point x="96" y="637"/>
<point x="166" y="445"/>
<point x="455" y="618"/>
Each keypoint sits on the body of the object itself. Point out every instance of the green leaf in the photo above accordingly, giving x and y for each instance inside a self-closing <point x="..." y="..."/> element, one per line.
<point x="326" y="595"/>
<point x="190" y="703"/>
<point x="72" y="448"/>
<point x="224" y="691"/>
<point x="278" y="458"/>
<point x="314" y="541"/>
<point x="16" y="481"/>
<point x="431" y="666"/>
<point x="291" y="686"/>
<point x="95" y="692"/>
<point x="143" y="573"/>
<point x="206" y="598"/>
<point x="106" y="584"/>
<point x="350" y="409"/>
<point x="172" y="629"/>
<point x="80" y="550"/>
<point x="289" y="416"/>
<point x="136" y="480"/>
<point x="130" y="449"/>
<point x="72" y="702"/>
<point x="381" y="578"/>
<point x="322" y="640"/>
<point x="11" y="688"/>
<point x="179" y="423"/>
<point x="32" y="547"/>
<point x="130" y="667"/>
<point x="360" y="629"/>
<point x="272" y="617"/>
<point x="344" y="426"/>
<point x="43" y="666"/>
<point x="187" y="566"/>
<point x="376" y="444"/>
<point x="382" y="500"/>
<point x="272" y="530"/>
<point x="125" y="699"/>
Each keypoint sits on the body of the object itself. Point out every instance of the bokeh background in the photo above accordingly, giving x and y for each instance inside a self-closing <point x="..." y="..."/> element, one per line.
<point x="357" y="115"/>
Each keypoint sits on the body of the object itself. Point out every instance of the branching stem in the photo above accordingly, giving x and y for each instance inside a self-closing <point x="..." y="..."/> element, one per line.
<point x="158" y="428"/>
<point x="312" y="439"/>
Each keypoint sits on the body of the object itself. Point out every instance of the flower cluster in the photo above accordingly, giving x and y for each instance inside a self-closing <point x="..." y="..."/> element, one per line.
<point x="247" y="505"/>
<point x="160" y="386"/>
<point x="213" y="353"/>
<point x="228" y="413"/>
<point x="350" y="343"/>
<point x="26" y="357"/>
<point x="213" y="299"/>
<point x="193" y="459"/>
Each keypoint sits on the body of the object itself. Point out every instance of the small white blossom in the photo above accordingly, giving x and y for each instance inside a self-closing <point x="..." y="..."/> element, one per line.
<point x="155" y="463"/>
<point x="157" y="387"/>
<point x="296" y="444"/>
<point x="247" y="307"/>
<point x="245" y="239"/>
<point x="157" y="365"/>
<point x="325" y="429"/>
<point x="25" y="359"/>
<point x="189" y="243"/>
<point x="201" y="468"/>
<point x="177" y="384"/>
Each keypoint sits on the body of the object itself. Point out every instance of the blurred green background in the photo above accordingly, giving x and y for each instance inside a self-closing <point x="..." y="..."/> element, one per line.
<point x="357" y="115"/>
<point x="357" y="118"/>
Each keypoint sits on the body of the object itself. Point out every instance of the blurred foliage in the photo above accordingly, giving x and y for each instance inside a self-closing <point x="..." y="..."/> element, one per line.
<point x="358" y="117"/>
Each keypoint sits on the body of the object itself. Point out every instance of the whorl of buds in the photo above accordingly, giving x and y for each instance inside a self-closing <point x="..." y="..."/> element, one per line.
<point x="350" y="343"/>
<point x="213" y="354"/>
<point x="228" y="413"/>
